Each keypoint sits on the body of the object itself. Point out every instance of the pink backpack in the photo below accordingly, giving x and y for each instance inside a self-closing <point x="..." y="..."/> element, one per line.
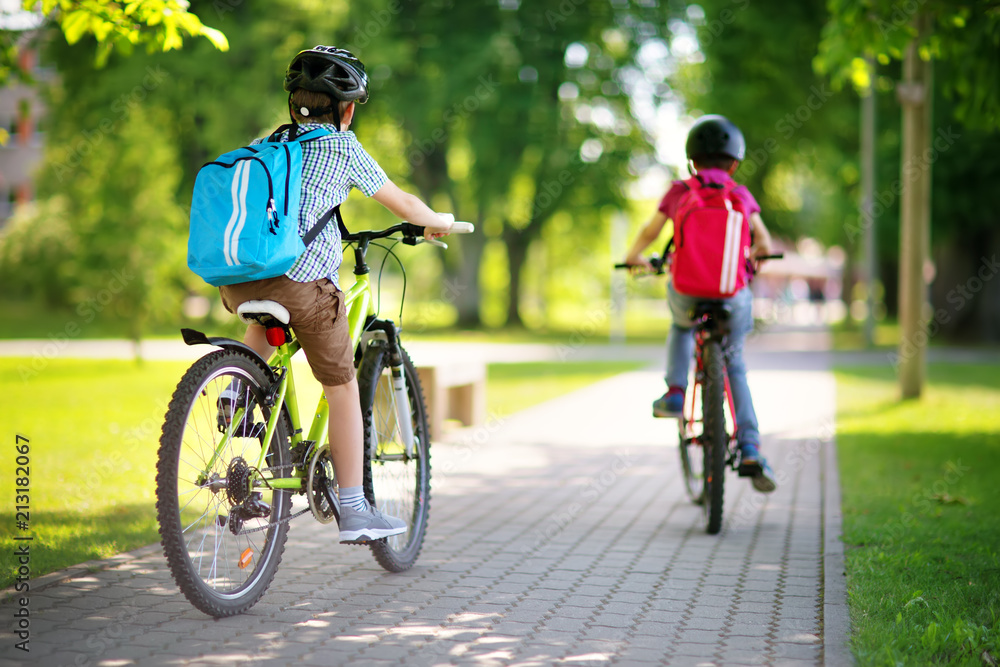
<point x="711" y="241"/>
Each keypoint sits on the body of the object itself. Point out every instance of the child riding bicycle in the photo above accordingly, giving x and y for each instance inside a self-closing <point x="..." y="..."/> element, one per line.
<point x="714" y="148"/>
<point x="324" y="84"/>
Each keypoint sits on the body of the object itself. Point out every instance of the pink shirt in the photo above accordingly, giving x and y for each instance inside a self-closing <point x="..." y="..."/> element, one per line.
<point x="668" y="206"/>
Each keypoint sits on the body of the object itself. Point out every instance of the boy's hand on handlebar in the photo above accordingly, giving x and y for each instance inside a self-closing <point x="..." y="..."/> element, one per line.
<point x="759" y="250"/>
<point x="639" y="265"/>
<point x="441" y="228"/>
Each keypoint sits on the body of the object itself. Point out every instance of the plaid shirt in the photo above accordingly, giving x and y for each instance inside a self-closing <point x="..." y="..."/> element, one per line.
<point x="331" y="166"/>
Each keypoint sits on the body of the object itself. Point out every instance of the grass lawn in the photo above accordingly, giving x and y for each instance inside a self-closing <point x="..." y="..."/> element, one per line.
<point x="851" y="336"/>
<point x="921" y="501"/>
<point x="513" y="387"/>
<point x="94" y="428"/>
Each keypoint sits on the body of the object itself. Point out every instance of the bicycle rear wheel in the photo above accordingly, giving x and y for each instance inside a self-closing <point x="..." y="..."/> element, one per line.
<point x="397" y="482"/>
<point x="217" y="519"/>
<point x="714" y="435"/>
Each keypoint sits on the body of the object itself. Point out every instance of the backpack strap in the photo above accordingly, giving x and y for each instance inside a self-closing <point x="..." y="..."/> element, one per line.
<point x="321" y="224"/>
<point x="294" y="133"/>
<point x="667" y="248"/>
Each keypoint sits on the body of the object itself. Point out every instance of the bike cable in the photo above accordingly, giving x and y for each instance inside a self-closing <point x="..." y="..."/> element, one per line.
<point x="402" y="298"/>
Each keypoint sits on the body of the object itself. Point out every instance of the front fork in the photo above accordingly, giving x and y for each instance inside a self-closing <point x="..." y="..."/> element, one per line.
<point x="401" y="397"/>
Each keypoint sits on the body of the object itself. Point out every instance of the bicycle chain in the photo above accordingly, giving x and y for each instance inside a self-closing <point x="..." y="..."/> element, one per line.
<point x="260" y="529"/>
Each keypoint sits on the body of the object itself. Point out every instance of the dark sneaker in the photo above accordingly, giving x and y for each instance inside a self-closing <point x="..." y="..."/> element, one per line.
<point x="360" y="527"/>
<point x="755" y="466"/>
<point x="671" y="404"/>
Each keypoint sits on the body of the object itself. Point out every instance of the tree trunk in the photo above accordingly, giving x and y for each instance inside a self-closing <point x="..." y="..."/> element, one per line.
<point x="517" y="243"/>
<point x="467" y="296"/>
<point x="915" y="94"/>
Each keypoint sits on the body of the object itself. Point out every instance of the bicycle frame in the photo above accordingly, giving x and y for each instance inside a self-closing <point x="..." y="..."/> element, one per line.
<point x="360" y="313"/>
<point x="360" y="307"/>
<point x="691" y="401"/>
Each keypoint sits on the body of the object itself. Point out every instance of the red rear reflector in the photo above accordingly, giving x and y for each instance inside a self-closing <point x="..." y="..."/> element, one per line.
<point x="275" y="336"/>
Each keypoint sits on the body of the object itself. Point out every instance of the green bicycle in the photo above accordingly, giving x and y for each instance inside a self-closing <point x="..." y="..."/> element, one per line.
<point x="232" y="453"/>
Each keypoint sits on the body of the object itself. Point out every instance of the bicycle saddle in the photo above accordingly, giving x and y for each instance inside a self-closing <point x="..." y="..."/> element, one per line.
<point x="720" y="311"/>
<point x="264" y="313"/>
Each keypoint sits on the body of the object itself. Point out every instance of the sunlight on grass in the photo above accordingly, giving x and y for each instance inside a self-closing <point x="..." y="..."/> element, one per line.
<point x="94" y="430"/>
<point x="921" y="527"/>
<point x="513" y="387"/>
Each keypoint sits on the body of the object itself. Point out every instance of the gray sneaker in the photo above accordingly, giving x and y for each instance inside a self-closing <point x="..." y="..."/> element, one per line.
<point x="360" y="527"/>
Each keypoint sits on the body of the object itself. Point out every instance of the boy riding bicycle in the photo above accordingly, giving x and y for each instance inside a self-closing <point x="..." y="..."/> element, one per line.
<point x="324" y="84"/>
<point x="714" y="148"/>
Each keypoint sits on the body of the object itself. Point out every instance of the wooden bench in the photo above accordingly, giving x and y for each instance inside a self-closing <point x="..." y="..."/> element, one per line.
<point x="454" y="391"/>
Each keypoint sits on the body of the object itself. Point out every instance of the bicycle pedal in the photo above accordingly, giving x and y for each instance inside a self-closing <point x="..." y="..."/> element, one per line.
<point x="750" y="469"/>
<point x="360" y="542"/>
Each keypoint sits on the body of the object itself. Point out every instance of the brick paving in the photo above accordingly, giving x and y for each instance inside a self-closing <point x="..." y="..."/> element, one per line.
<point x="560" y="535"/>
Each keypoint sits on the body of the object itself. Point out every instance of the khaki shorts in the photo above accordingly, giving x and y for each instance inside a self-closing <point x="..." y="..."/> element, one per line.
<point x="318" y="318"/>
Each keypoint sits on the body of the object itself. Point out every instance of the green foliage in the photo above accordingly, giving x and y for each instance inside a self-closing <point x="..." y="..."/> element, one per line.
<point x="123" y="146"/>
<point x="107" y="236"/>
<point x="964" y="34"/>
<point x="503" y="124"/>
<point x="801" y="136"/>
<point x="107" y="27"/>
<point x="158" y="24"/>
<point x="919" y="492"/>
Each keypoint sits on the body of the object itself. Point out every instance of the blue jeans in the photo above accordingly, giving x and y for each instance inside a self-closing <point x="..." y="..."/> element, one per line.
<point x="680" y="350"/>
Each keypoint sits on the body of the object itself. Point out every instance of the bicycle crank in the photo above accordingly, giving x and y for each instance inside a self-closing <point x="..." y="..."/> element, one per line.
<point x="320" y="484"/>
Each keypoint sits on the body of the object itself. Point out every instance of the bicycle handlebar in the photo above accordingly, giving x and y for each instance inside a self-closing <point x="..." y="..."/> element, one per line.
<point x="658" y="263"/>
<point x="412" y="234"/>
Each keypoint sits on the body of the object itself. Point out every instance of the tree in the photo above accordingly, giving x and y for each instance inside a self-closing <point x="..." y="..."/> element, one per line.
<point x="521" y="113"/>
<point x="106" y="240"/>
<point x="159" y="25"/>
<point x="967" y="37"/>
<point x="753" y="65"/>
<point x="123" y="145"/>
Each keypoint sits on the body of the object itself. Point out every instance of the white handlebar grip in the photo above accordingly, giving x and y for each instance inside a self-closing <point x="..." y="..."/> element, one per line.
<point x="462" y="228"/>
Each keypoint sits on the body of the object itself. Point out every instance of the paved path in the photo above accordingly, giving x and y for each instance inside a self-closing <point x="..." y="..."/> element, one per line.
<point x="559" y="535"/>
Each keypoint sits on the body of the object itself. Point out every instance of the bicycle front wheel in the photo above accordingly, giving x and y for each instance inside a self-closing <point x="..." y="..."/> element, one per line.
<point x="692" y="461"/>
<point x="396" y="481"/>
<point x="223" y="529"/>
<point x="714" y="438"/>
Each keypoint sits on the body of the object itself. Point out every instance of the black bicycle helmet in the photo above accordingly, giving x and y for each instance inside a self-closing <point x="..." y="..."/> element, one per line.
<point x="327" y="69"/>
<point x="714" y="136"/>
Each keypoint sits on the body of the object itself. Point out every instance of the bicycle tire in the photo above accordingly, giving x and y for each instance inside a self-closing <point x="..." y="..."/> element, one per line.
<point x="692" y="462"/>
<point x="715" y="438"/>
<point x="200" y="531"/>
<point x="395" y="483"/>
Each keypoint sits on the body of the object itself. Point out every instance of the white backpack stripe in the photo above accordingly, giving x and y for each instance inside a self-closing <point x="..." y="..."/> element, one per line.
<point x="735" y="256"/>
<point x="244" y="192"/>
<point x="727" y="277"/>
<point x="234" y="217"/>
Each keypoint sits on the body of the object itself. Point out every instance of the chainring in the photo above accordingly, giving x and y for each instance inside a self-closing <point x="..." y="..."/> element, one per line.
<point x="320" y="485"/>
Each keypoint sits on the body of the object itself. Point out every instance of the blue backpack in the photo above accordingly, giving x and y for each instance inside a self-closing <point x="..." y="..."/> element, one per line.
<point x="245" y="211"/>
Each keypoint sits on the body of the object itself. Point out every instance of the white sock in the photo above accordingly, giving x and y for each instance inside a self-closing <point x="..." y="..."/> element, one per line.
<point x="354" y="497"/>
